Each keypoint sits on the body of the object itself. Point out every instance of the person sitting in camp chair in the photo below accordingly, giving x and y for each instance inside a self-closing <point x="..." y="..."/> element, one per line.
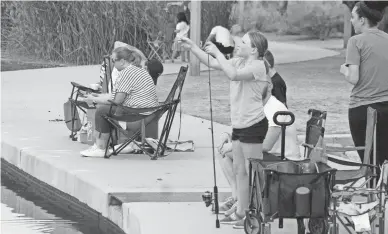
<point x="135" y="88"/>
<point x="140" y="61"/>
<point x="271" y="148"/>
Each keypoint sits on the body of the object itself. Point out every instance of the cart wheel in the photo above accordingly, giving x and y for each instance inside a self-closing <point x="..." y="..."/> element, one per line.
<point x="318" y="226"/>
<point x="252" y="224"/>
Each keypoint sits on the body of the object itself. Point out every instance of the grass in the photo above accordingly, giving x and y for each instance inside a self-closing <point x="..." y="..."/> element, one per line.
<point x="14" y="65"/>
<point x="312" y="84"/>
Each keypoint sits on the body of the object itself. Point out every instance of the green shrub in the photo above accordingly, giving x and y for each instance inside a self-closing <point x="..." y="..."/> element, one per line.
<point x="315" y="19"/>
<point x="263" y="16"/>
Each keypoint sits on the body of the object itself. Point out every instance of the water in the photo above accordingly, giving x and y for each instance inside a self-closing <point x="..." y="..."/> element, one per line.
<point x="23" y="212"/>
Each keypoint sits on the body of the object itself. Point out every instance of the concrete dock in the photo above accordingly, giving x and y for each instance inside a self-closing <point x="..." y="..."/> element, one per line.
<point x="156" y="197"/>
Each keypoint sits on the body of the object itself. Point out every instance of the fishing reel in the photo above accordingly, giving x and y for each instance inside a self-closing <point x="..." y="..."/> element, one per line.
<point x="207" y="197"/>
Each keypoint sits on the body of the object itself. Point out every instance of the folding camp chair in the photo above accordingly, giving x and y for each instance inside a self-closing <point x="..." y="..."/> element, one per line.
<point x="107" y="78"/>
<point x="71" y="107"/>
<point x="349" y="184"/>
<point x="366" y="169"/>
<point x="168" y="106"/>
<point x="157" y="46"/>
<point x="315" y="128"/>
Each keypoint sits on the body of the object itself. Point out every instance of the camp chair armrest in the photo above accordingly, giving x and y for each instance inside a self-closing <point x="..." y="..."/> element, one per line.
<point x="344" y="149"/>
<point x="142" y="110"/>
<point x="83" y="104"/>
<point x="308" y="145"/>
<point x="114" y="103"/>
<point x="348" y="163"/>
<point x="84" y="88"/>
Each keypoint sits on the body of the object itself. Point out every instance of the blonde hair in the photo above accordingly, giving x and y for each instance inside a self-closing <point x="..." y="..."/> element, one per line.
<point x="260" y="42"/>
<point x="137" y="58"/>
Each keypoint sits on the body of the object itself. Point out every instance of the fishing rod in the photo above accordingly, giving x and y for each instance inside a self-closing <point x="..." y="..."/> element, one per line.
<point x="216" y="205"/>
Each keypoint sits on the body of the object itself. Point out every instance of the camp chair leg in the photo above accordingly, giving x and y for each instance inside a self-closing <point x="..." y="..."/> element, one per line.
<point x="122" y="146"/>
<point x="154" y="52"/>
<point x="381" y="223"/>
<point x="344" y="225"/>
<point x="170" y="120"/>
<point x="73" y="133"/>
<point x="163" y="136"/>
<point x="107" y="147"/>
<point x="165" y="132"/>
<point x="72" y="92"/>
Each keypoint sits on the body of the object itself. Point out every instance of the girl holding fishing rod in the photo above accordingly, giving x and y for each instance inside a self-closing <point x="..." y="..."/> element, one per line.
<point x="249" y="86"/>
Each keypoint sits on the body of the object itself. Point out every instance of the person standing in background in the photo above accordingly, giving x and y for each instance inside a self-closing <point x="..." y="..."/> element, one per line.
<point x="182" y="30"/>
<point x="366" y="68"/>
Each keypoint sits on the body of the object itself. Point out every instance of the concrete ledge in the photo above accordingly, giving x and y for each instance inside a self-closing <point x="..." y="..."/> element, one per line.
<point x="152" y="218"/>
<point x="112" y="187"/>
<point x="64" y="203"/>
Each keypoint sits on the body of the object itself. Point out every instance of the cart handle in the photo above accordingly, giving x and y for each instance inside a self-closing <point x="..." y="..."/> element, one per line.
<point x="285" y="113"/>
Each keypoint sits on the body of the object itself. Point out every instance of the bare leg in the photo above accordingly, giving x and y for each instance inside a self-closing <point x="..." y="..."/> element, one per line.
<point x="242" y="178"/>
<point x="241" y="153"/>
<point x="102" y="140"/>
<point x="227" y="167"/>
<point x="183" y="56"/>
<point x="174" y="52"/>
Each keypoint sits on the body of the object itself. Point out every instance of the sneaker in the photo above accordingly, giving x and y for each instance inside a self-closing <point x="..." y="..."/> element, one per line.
<point x="239" y="224"/>
<point x="130" y="148"/>
<point x="92" y="148"/>
<point x="225" y="206"/>
<point x="95" y="153"/>
<point x="231" y="210"/>
<point x="231" y="219"/>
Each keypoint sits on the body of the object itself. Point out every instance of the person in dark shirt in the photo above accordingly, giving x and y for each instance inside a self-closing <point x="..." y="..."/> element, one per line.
<point x="279" y="89"/>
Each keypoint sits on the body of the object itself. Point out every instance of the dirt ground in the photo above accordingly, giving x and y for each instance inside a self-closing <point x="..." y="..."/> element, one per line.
<point x="314" y="84"/>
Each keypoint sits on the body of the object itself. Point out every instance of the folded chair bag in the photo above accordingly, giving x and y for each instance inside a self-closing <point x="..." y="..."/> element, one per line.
<point x="72" y="118"/>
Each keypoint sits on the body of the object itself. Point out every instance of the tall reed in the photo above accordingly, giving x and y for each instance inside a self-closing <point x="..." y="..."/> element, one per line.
<point x="81" y="32"/>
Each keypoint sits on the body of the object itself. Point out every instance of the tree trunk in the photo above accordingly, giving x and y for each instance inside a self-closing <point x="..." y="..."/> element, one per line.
<point x="283" y="7"/>
<point x="348" y="28"/>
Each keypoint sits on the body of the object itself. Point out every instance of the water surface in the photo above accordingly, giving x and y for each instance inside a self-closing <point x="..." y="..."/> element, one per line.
<point x="25" y="212"/>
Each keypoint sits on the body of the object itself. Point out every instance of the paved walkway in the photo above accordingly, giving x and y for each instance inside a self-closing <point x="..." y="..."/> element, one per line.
<point x="283" y="52"/>
<point x="167" y="190"/>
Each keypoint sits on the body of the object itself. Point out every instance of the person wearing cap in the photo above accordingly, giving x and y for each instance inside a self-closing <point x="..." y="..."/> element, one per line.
<point x="366" y="68"/>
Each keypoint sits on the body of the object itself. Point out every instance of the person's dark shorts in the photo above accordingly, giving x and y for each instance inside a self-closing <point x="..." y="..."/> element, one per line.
<point x="253" y="134"/>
